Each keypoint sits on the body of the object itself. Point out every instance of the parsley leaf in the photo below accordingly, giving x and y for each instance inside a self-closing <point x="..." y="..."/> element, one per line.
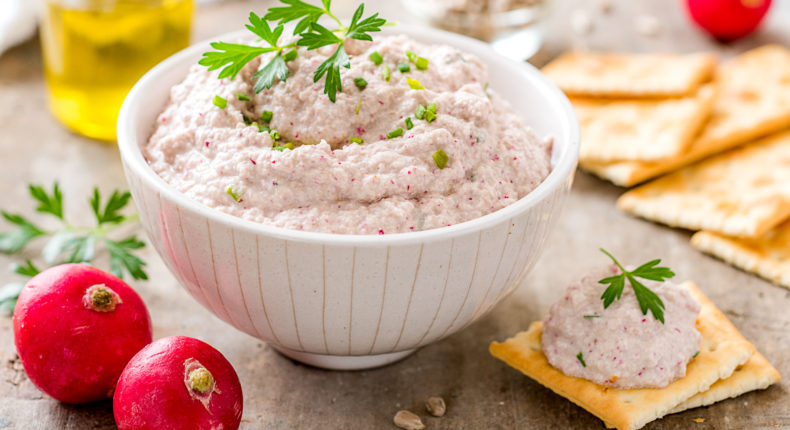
<point x="359" y="29"/>
<point x="121" y="257"/>
<point x="309" y="34"/>
<point x="52" y="205"/>
<point x="294" y="10"/>
<point x="317" y="37"/>
<point x="110" y="213"/>
<point x="331" y="67"/>
<point x="274" y="68"/>
<point x="232" y="57"/>
<point x="260" y="27"/>
<point x="647" y="299"/>
<point x="15" y="240"/>
<point x="27" y="269"/>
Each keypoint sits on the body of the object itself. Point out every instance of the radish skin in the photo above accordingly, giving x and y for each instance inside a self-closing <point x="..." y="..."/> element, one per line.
<point x="178" y="383"/>
<point x="75" y="328"/>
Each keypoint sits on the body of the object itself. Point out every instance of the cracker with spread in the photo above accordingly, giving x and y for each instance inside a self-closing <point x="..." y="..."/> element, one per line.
<point x="628" y="129"/>
<point x="637" y="350"/>
<point x="752" y="100"/>
<point x="744" y="192"/>
<point x="767" y="256"/>
<point x="599" y="74"/>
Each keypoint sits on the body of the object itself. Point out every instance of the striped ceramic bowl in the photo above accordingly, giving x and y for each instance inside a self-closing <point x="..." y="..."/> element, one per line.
<point x="350" y="301"/>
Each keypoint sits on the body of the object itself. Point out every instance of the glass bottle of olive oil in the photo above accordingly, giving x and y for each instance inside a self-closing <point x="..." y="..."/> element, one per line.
<point x="95" y="50"/>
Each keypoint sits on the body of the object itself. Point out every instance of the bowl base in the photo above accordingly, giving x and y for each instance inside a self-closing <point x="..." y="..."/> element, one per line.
<point x="344" y="362"/>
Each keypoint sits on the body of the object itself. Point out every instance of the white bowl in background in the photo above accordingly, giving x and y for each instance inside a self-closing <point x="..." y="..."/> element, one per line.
<point x="350" y="301"/>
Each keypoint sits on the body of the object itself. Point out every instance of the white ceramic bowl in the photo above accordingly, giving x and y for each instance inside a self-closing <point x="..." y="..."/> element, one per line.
<point x="350" y="301"/>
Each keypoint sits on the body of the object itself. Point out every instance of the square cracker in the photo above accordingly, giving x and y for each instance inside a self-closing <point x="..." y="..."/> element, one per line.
<point x="756" y="374"/>
<point x="599" y="74"/>
<point x="744" y="192"/>
<point x="722" y="349"/>
<point x="767" y="256"/>
<point x="752" y="100"/>
<point x="649" y="129"/>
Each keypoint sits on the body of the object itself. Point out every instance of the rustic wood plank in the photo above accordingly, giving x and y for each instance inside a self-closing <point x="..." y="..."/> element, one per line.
<point x="481" y="393"/>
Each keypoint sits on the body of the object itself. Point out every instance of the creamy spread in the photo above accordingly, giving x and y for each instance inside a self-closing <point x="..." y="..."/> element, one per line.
<point x="619" y="346"/>
<point x="329" y="182"/>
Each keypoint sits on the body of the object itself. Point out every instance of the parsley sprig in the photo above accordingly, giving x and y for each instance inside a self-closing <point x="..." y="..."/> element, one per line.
<point x="69" y="243"/>
<point x="647" y="299"/>
<point x="232" y="57"/>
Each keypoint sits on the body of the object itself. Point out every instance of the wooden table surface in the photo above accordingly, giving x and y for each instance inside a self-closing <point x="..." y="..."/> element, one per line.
<point x="481" y="392"/>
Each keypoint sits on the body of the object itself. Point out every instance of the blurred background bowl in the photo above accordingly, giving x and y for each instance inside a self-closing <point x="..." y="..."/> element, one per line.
<point x="351" y="301"/>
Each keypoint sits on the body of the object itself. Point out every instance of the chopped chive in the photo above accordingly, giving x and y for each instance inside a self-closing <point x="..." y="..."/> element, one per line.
<point x="262" y="128"/>
<point x="220" y="102"/>
<point x="420" y="112"/>
<point x="409" y="124"/>
<point x="404" y="67"/>
<point x="356" y="140"/>
<point x="422" y="63"/>
<point x="411" y="56"/>
<point x="432" y="107"/>
<point x="398" y="132"/>
<point x="441" y="159"/>
<point x="580" y="357"/>
<point x="359" y="104"/>
<point x="695" y="354"/>
<point x="376" y="58"/>
<point x="360" y="83"/>
<point x="280" y="148"/>
<point x="266" y="116"/>
<point x="291" y="55"/>
<point x="243" y="97"/>
<point x="592" y="316"/>
<point x="385" y="73"/>
<point x="414" y="84"/>
<point x="430" y="116"/>
<point x="274" y="134"/>
<point x="236" y="196"/>
<point x="246" y="119"/>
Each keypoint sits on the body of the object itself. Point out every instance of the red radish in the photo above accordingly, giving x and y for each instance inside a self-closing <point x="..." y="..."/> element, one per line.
<point x="75" y="328"/>
<point x="728" y="20"/>
<point x="178" y="383"/>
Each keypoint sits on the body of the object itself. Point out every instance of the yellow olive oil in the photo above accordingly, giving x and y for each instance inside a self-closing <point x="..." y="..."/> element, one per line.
<point x="95" y="50"/>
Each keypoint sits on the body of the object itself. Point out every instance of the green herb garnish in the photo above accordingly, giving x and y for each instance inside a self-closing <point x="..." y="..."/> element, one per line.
<point x="419" y="113"/>
<point x="580" y="357"/>
<point x="266" y="116"/>
<point x="648" y="300"/>
<point x="220" y="102"/>
<point x="398" y="132"/>
<point x="291" y="55"/>
<point x="243" y="97"/>
<point x="414" y="84"/>
<point x="411" y="56"/>
<point x="360" y="83"/>
<point x="695" y="354"/>
<point x="359" y="105"/>
<point x="69" y="243"/>
<point x="356" y="140"/>
<point x="232" y="57"/>
<point x="376" y="58"/>
<point x="592" y="316"/>
<point x="235" y="195"/>
<point x="404" y="67"/>
<point x="274" y="134"/>
<point x="385" y="73"/>
<point x="422" y="63"/>
<point x="441" y="159"/>
<point x="409" y="124"/>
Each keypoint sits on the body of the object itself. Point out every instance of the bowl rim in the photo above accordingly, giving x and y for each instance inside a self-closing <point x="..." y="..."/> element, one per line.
<point x="562" y="165"/>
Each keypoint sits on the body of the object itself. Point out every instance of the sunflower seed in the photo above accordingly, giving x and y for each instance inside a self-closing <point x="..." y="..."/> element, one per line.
<point x="408" y="421"/>
<point x="436" y="406"/>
